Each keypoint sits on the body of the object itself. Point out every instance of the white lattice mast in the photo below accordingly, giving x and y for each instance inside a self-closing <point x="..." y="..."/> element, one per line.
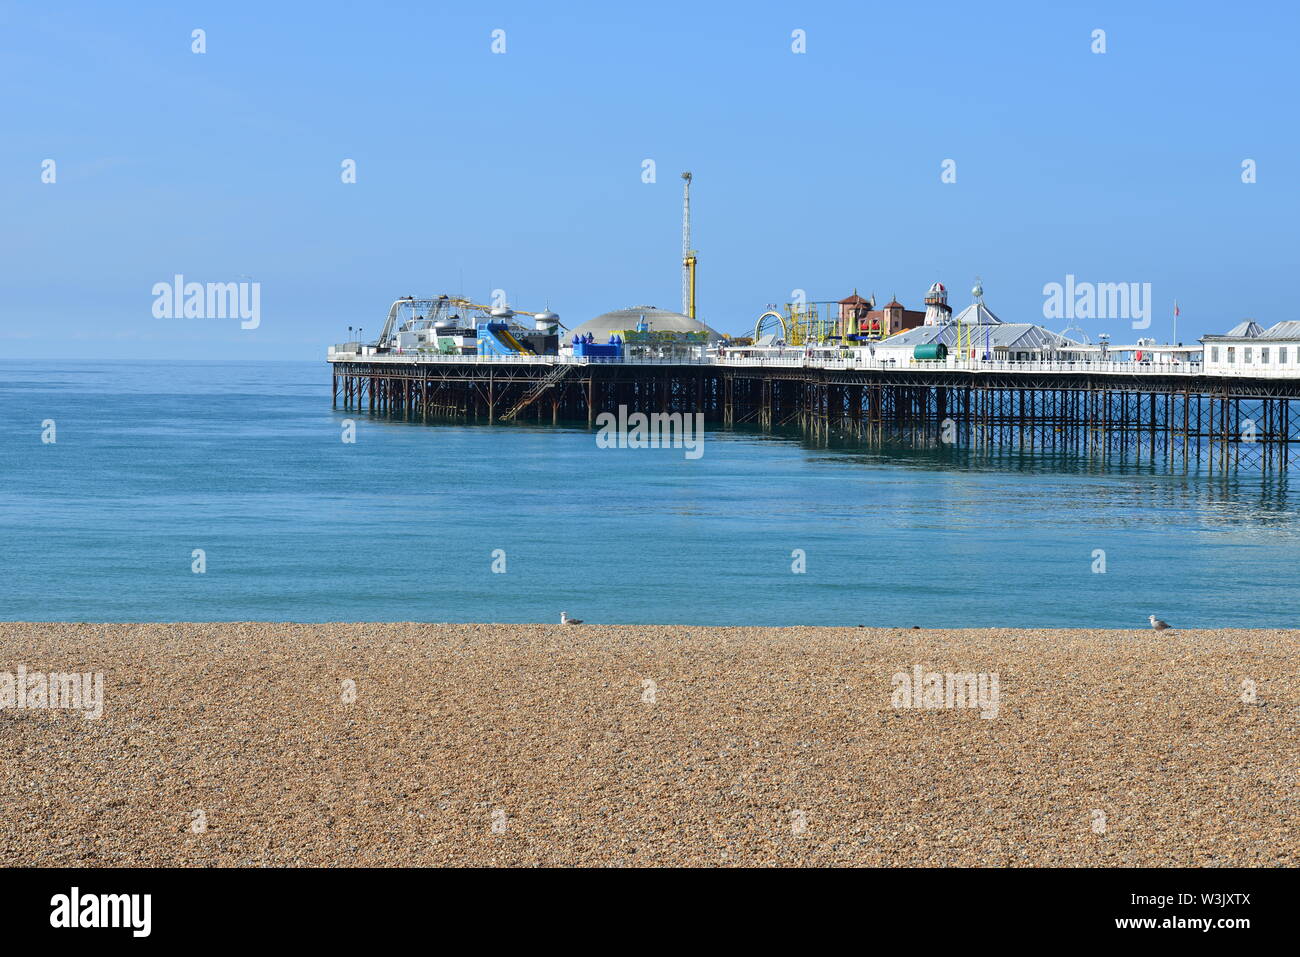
<point x="688" y="254"/>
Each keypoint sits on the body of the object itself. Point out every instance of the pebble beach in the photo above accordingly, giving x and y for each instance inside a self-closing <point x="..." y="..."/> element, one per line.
<point x="257" y="744"/>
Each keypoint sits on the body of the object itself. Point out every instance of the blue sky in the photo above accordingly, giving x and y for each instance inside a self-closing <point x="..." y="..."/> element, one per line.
<point x="522" y="171"/>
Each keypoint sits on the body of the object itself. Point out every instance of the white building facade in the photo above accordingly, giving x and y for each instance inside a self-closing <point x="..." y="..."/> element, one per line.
<point x="1248" y="349"/>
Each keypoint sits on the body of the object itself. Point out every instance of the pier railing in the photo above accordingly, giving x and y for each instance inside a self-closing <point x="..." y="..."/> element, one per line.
<point x="799" y="360"/>
<point x="972" y="365"/>
<point x="417" y="358"/>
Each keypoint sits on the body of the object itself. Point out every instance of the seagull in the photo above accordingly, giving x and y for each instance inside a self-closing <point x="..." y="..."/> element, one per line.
<point x="1157" y="624"/>
<point x="566" y="620"/>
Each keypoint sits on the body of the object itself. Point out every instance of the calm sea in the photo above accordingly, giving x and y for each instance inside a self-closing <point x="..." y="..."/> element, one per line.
<point x="244" y="460"/>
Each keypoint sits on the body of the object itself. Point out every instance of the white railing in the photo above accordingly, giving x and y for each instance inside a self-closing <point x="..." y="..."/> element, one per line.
<point x="408" y="358"/>
<point x="1075" y="366"/>
<point x="967" y="365"/>
<point x="1263" y="372"/>
<point x="799" y="360"/>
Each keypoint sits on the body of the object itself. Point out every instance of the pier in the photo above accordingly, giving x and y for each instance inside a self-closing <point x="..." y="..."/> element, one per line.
<point x="1173" y="413"/>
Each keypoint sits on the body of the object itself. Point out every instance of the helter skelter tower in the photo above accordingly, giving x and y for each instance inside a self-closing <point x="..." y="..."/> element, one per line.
<point x="688" y="254"/>
<point x="937" y="310"/>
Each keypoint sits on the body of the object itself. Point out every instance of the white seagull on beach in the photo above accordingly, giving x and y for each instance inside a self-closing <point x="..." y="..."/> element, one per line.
<point x="1157" y="624"/>
<point x="566" y="620"/>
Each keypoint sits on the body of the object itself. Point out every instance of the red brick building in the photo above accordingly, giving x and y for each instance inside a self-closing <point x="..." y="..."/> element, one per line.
<point x="858" y="315"/>
<point x="853" y="311"/>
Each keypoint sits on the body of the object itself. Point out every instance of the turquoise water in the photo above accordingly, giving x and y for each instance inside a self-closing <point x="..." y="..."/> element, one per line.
<point x="244" y="461"/>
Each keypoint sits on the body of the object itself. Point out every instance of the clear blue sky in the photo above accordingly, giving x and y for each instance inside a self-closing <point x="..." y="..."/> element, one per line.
<point x="522" y="171"/>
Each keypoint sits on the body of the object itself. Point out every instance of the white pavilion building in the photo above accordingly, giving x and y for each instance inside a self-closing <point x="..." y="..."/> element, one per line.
<point x="976" y="332"/>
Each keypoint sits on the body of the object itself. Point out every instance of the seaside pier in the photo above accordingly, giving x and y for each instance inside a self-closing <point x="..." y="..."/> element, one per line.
<point x="1123" y="410"/>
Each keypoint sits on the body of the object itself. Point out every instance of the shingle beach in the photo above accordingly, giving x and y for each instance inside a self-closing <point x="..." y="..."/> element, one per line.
<point x="522" y="745"/>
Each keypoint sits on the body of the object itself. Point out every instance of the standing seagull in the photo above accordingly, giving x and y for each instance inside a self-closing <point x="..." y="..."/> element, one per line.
<point x="1157" y="624"/>
<point x="566" y="620"/>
